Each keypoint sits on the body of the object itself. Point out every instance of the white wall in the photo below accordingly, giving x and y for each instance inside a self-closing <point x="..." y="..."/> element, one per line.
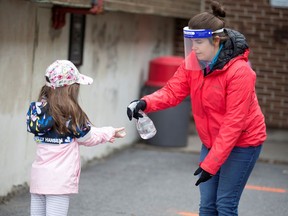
<point x="118" y="47"/>
<point x="16" y="65"/>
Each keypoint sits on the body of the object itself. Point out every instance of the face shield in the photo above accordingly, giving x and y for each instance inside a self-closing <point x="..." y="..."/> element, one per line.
<point x="199" y="48"/>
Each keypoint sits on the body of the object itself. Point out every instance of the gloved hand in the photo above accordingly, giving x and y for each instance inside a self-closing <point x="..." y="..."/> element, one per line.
<point x="134" y="107"/>
<point x="205" y="176"/>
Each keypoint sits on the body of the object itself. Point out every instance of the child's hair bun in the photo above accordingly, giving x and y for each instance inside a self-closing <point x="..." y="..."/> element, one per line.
<point x="217" y="9"/>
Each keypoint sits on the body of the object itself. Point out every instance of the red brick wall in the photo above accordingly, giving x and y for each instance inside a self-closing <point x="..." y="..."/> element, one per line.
<point x="266" y="31"/>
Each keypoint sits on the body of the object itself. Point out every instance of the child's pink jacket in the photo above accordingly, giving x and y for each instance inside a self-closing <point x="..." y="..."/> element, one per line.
<point x="56" y="169"/>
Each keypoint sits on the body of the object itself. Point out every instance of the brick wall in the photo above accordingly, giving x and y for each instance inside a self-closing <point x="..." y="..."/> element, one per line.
<point x="266" y="30"/>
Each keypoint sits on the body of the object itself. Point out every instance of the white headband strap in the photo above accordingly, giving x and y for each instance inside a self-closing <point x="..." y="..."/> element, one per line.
<point x="218" y="31"/>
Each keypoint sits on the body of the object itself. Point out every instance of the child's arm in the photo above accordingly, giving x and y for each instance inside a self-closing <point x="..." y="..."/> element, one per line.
<point x="101" y="135"/>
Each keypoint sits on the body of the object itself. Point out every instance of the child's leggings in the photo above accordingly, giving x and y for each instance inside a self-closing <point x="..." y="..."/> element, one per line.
<point x="49" y="205"/>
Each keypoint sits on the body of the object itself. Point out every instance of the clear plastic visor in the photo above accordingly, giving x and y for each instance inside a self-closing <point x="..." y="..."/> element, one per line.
<point x="198" y="47"/>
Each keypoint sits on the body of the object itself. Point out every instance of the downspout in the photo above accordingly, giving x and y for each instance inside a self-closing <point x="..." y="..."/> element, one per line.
<point x="59" y="12"/>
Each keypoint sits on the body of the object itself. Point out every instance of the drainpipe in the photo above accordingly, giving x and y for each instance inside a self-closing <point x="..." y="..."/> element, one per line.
<point x="59" y="12"/>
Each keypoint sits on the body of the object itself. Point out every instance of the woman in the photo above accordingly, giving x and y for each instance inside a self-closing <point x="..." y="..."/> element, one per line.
<point x="228" y="118"/>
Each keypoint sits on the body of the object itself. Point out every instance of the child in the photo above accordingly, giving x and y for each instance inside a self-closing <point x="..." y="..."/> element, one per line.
<point x="59" y="126"/>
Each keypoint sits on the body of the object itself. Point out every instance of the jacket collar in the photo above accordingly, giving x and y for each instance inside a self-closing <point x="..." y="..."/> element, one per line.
<point x="235" y="46"/>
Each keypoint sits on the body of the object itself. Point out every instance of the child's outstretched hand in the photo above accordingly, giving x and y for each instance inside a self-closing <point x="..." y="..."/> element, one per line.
<point x="119" y="133"/>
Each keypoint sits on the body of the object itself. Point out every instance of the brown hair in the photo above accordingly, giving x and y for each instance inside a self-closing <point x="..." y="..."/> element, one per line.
<point x="208" y="20"/>
<point x="63" y="106"/>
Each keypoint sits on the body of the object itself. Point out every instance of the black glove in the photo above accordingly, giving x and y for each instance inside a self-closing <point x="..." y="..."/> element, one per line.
<point x="205" y="176"/>
<point x="134" y="107"/>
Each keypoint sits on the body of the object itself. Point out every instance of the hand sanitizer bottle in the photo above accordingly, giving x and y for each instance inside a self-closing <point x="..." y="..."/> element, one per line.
<point x="145" y="126"/>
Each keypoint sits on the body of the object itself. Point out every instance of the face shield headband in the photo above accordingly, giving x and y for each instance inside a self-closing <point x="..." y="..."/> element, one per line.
<point x="192" y="45"/>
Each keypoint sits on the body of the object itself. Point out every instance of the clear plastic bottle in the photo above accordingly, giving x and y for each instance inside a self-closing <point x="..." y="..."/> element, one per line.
<point x="145" y="126"/>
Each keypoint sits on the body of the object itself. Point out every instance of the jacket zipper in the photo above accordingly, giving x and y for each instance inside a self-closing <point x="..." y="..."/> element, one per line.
<point x="207" y="121"/>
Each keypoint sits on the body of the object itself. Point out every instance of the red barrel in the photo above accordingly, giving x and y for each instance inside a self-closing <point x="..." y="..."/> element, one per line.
<point x="162" y="69"/>
<point x="172" y="124"/>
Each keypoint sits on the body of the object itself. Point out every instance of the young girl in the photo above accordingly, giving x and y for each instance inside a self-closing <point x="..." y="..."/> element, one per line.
<point x="228" y="118"/>
<point x="59" y="126"/>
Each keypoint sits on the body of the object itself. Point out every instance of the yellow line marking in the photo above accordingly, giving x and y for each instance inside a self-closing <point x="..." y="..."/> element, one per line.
<point x="267" y="189"/>
<point x="187" y="214"/>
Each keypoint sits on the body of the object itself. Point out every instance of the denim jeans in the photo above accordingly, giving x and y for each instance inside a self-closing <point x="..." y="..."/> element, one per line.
<point x="221" y="194"/>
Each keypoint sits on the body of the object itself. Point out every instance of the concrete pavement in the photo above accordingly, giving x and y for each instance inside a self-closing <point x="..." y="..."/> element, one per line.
<point x="147" y="180"/>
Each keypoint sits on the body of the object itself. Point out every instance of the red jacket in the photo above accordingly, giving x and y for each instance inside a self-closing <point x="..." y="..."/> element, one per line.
<point x="224" y="104"/>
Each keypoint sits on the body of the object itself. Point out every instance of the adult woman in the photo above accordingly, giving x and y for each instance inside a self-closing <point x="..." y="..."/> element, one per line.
<point x="228" y="119"/>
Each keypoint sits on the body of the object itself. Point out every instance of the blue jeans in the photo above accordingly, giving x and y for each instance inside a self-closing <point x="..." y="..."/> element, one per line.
<point x="221" y="194"/>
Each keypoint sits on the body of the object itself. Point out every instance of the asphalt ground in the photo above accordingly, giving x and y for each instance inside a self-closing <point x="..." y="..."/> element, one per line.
<point x="146" y="180"/>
